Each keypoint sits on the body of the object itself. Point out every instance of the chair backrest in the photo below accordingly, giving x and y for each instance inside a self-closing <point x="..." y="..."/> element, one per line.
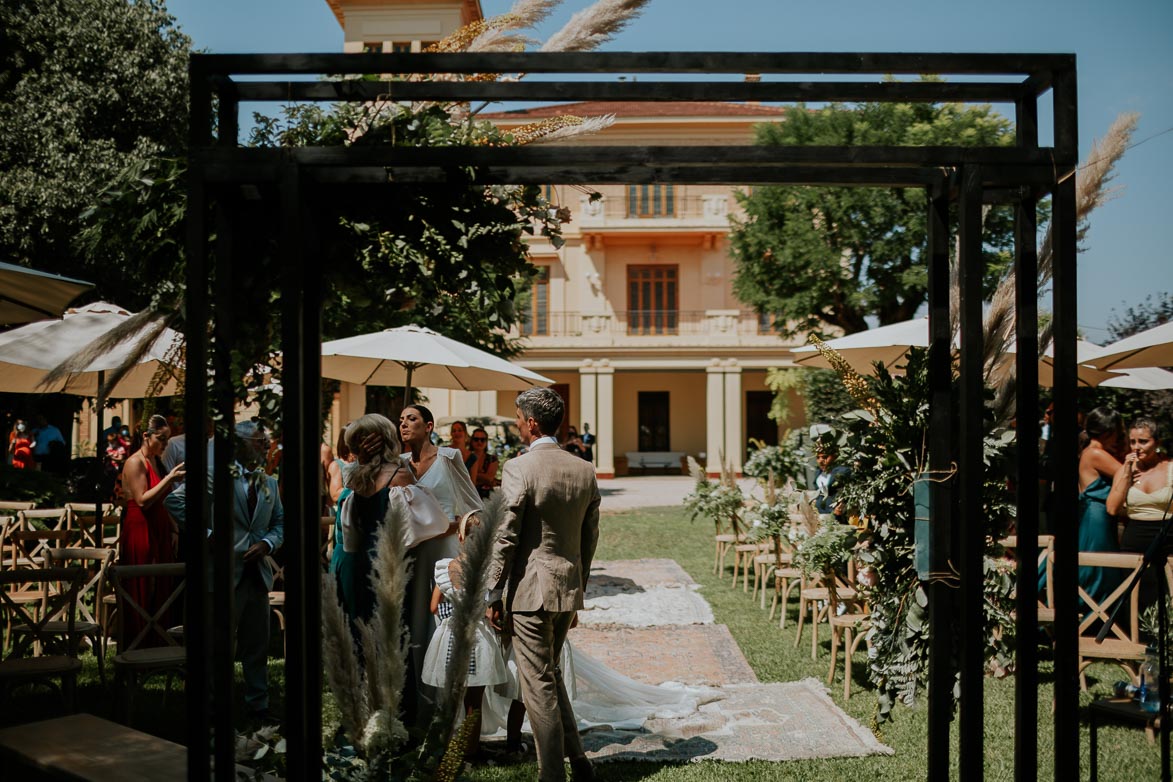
<point x="83" y="519"/>
<point x="1045" y="545"/>
<point x="15" y="506"/>
<point x="44" y="519"/>
<point x="56" y="604"/>
<point x="278" y="574"/>
<point x="153" y="624"/>
<point x="26" y="548"/>
<point x="327" y="537"/>
<point x="94" y="561"/>
<point x="1099" y="611"/>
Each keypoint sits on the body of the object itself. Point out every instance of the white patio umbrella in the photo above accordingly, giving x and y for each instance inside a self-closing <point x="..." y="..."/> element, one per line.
<point x="415" y="355"/>
<point x="886" y="344"/>
<point x="1150" y="348"/>
<point x="29" y="353"/>
<point x="28" y="295"/>
<point x="890" y="344"/>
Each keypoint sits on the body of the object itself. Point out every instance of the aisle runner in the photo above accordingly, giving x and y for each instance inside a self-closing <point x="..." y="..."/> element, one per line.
<point x="645" y="619"/>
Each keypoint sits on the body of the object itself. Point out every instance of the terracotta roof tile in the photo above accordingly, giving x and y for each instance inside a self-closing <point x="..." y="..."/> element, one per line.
<point x="642" y="109"/>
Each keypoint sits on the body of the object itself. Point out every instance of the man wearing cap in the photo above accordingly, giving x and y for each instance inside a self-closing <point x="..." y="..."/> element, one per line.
<point x="831" y="478"/>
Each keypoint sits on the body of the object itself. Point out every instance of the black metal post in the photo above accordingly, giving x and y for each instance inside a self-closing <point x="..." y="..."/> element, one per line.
<point x="1162" y="664"/>
<point x="100" y="447"/>
<point x="196" y="633"/>
<point x="301" y="383"/>
<point x="971" y="474"/>
<point x="1064" y="434"/>
<point x="1026" y="308"/>
<point x="941" y="457"/>
<point x="224" y="535"/>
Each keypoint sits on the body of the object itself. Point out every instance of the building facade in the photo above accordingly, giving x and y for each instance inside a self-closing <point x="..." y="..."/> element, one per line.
<point x="634" y="318"/>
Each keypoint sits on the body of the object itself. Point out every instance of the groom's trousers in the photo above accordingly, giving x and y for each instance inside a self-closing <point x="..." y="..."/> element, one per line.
<point x="537" y="647"/>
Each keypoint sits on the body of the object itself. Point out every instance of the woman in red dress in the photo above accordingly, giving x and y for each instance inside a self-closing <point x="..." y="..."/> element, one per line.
<point x="149" y="535"/>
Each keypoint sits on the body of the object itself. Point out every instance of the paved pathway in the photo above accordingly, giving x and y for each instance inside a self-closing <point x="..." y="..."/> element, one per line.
<point x="653" y="491"/>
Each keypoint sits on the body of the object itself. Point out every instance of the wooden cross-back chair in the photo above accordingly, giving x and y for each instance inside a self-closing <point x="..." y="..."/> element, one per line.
<point x="1123" y="645"/>
<point x="1045" y="546"/>
<point x="137" y="658"/>
<point x="94" y="562"/>
<point x="24" y="550"/>
<point x="39" y="654"/>
<point x="10" y="507"/>
<point x="814" y="595"/>
<point x="327" y="529"/>
<point x="95" y="533"/>
<point x="277" y="596"/>
<point x="44" y="519"/>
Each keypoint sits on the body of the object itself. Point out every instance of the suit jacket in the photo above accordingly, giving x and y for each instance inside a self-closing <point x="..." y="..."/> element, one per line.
<point x="266" y="523"/>
<point x="840" y="475"/>
<point x="547" y="540"/>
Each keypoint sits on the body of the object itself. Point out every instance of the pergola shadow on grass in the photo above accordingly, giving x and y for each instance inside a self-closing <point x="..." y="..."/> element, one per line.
<point x="285" y="189"/>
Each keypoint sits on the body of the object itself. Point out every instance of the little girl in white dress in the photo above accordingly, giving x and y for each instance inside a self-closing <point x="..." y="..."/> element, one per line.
<point x="486" y="662"/>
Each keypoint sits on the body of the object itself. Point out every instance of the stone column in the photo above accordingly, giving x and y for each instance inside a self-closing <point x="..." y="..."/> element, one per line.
<point x="715" y="423"/>
<point x="734" y="433"/>
<point x="596" y="384"/>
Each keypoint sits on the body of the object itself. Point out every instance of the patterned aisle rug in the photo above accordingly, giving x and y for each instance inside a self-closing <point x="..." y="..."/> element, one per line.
<point x="790" y="721"/>
<point x="646" y="619"/>
<point x="643" y="593"/>
<point x="689" y="654"/>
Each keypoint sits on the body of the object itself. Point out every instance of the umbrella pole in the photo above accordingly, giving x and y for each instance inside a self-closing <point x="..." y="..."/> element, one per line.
<point x="99" y="529"/>
<point x="407" y="385"/>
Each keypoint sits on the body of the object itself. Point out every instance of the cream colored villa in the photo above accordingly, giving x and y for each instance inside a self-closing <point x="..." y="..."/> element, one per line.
<point x="634" y="318"/>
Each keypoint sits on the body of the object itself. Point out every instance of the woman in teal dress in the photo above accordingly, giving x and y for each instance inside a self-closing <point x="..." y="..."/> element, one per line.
<point x="1098" y="463"/>
<point x="378" y="482"/>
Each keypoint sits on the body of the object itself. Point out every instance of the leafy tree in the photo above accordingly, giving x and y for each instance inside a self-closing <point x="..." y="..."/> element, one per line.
<point x="820" y="257"/>
<point x="88" y="89"/>
<point x="1152" y="312"/>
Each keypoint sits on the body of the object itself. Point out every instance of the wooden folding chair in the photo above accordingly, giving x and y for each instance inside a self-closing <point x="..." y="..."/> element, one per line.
<point x="848" y="630"/>
<point x="53" y="519"/>
<point x="277" y="596"/>
<point x="1123" y="645"/>
<point x="25" y="550"/>
<point x="326" y="524"/>
<point x="136" y="659"/>
<point x="94" y="561"/>
<point x="1045" y="547"/>
<point x="39" y="654"/>
<point x="815" y="596"/>
<point x="94" y="533"/>
<point x="9" y="508"/>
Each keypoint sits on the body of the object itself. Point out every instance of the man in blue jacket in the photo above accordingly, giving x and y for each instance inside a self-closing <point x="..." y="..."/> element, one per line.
<point x="259" y="525"/>
<point x="831" y="478"/>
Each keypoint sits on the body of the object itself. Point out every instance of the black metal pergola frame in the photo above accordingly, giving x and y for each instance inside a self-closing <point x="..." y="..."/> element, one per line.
<point x="968" y="176"/>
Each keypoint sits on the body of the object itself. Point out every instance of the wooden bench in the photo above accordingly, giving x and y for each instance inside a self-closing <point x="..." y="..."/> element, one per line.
<point x="662" y="460"/>
<point x="82" y="746"/>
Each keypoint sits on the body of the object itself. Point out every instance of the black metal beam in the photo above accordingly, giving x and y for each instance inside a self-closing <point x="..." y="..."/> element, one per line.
<point x="1065" y="492"/>
<point x="941" y="460"/>
<point x="962" y="63"/>
<point x="971" y="475"/>
<point x="300" y="410"/>
<point x="196" y="633"/>
<point x="223" y="499"/>
<point x="912" y="92"/>
<point x="1026" y="314"/>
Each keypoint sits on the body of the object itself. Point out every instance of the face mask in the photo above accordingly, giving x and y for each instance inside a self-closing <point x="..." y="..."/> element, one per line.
<point x="20" y="427"/>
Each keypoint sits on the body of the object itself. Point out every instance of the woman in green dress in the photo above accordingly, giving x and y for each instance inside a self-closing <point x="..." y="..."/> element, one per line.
<point x="1098" y="463"/>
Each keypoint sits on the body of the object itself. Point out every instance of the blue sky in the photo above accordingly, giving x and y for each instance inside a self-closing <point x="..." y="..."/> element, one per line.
<point x="1125" y="61"/>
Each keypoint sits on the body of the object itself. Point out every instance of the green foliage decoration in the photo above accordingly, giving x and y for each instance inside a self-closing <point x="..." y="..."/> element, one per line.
<point x="719" y="502"/>
<point x="787" y="460"/>
<point x="889" y="451"/>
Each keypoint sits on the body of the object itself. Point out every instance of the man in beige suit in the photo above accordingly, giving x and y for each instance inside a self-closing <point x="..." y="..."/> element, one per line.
<point x="541" y="561"/>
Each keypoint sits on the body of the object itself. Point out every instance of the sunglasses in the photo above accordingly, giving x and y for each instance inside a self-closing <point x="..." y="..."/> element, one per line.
<point x="480" y="439"/>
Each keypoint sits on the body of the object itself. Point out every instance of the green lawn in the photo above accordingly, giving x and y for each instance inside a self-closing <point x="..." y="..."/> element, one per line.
<point x="666" y="532"/>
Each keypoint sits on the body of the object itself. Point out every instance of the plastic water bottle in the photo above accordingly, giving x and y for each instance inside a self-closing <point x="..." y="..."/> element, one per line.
<point x="1149" y="692"/>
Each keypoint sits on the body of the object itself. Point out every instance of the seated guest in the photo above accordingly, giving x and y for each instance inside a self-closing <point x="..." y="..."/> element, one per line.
<point x="482" y="464"/>
<point x="831" y="478"/>
<point x="1142" y="491"/>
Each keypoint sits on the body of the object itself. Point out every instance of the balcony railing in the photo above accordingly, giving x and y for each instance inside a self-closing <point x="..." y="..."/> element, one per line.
<point x="650" y="323"/>
<point x="703" y="208"/>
